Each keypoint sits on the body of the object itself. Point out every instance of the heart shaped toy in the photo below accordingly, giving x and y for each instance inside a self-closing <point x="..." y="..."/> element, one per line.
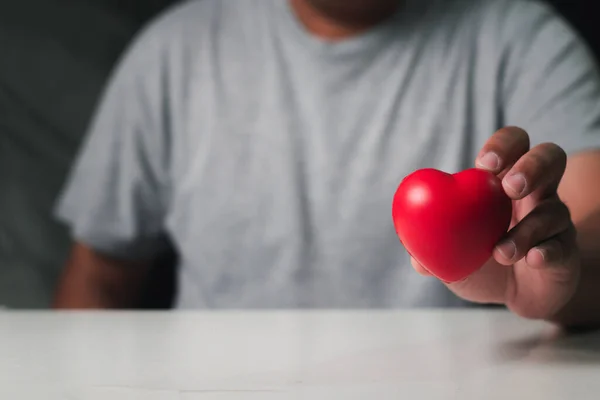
<point x="450" y="223"/>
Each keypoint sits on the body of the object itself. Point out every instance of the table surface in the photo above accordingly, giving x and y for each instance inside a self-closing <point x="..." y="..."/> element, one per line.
<point x="320" y="355"/>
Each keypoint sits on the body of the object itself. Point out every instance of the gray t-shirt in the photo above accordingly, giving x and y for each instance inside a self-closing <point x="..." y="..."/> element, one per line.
<point x="269" y="157"/>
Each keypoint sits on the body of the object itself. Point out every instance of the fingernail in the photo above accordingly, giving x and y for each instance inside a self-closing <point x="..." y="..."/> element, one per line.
<point x="542" y="253"/>
<point x="489" y="161"/>
<point x="507" y="249"/>
<point x="516" y="183"/>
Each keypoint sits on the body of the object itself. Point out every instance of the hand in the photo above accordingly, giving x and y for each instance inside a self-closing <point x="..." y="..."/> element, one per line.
<point x="535" y="269"/>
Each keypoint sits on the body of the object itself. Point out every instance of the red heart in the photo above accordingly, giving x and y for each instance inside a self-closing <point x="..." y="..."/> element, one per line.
<point x="449" y="223"/>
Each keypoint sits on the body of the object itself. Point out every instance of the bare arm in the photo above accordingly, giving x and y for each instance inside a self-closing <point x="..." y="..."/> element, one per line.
<point x="116" y="196"/>
<point x="580" y="191"/>
<point x="94" y="281"/>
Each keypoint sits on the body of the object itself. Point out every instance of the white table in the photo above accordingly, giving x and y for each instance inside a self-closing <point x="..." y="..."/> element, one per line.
<point x="421" y="355"/>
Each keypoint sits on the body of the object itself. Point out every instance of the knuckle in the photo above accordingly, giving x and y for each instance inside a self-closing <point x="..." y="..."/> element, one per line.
<point x="553" y="250"/>
<point x="535" y="231"/>
<point x="530" y="233"/>
<point x="546" y="220"/>
<point x="558" y="213"/>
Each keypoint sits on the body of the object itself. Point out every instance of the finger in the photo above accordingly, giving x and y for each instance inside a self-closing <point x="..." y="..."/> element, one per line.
<point x="555" y="252"/>
<point x="541" y="169"/>
<point x="503" y="149"/>
<point x="486" y="285"/>
<point x="547" y="220"/>
<point x="419" y="268"/>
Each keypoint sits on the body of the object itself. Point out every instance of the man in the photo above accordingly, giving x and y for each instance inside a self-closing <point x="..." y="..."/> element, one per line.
<point x="266" y="138"/>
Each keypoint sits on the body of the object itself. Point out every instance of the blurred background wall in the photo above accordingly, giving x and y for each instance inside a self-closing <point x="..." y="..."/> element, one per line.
<point x="55" y="56"/>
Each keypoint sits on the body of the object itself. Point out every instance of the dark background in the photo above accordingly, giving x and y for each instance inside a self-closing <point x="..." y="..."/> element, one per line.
<point x="55" y="57"/>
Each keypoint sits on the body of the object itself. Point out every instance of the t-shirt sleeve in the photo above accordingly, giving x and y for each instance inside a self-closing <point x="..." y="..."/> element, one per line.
<point x="550" y="83"/>
<point x="115" y="198"/>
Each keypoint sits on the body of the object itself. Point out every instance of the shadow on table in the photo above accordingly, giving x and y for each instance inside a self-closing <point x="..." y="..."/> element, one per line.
<point x="577" y="347"/>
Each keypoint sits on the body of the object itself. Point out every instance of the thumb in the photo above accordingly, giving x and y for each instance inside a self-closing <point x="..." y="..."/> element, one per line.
<point x="486" y="285"/>
<point x="489" y="284"/>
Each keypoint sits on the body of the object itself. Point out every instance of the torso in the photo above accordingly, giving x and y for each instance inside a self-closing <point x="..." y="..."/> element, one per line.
<point x="287" y="152"/>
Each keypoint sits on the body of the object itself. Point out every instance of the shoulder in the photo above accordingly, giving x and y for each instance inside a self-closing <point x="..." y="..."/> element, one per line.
<point x="531" y="37"/>
<point x="504" y="34"/>
<point x="499" y="19"/>
<point x="490" y="26"/>
<point x="508" y="14"/>
<point x="523" y="23"/>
